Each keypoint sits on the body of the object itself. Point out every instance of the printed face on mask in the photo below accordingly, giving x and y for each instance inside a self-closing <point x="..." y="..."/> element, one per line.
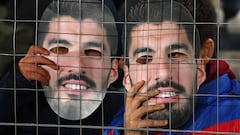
<point x="163" y="56"/>
<point x="82" y="51"/>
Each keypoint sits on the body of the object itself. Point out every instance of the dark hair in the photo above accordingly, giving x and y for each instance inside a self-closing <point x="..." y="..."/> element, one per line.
<point x="157" y="11"/>
<point x="202" y="11"/>
<point x="80" y="10"/>
<point x="205" y="17"/>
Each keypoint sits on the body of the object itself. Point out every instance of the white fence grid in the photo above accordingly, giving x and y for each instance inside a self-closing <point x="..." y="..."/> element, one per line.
<point x="72" y="67"/>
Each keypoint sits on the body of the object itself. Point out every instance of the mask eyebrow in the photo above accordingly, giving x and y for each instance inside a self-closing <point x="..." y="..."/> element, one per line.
<point x="95" y="44"/>
<point x="177" y="46"/>
<point x="141" y="50"/>
<point x="58" y="41"/>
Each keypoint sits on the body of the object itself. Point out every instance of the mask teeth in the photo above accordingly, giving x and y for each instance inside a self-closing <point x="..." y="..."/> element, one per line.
<point x="75" y="87"/>
<point x="166" y="94"/>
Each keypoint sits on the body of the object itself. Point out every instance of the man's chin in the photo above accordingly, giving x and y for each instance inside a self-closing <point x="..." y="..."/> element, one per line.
<point x="176" y="117"/>
<point x="72" y="108"/>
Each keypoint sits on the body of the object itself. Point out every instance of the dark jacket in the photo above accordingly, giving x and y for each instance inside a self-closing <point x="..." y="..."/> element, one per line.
<point x="26" y="111"/>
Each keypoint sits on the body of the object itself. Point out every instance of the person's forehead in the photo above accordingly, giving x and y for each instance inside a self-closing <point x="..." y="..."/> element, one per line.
<point x="163" y="35"/>
<point x="153" y="29"/>
<point x="86" y="26"/>
<point x="70" y="31"/>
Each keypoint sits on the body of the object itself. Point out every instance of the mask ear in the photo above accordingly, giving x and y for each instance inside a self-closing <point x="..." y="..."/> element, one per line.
<point x="207" y="50"/>
<point x="114" y="72"/>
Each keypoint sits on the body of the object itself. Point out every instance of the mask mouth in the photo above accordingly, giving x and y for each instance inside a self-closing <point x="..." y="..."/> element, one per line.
<point x="76" y="81"/>
<point x="168" y="94"/>
<point x="75" y="87"/>
<point x="166" y="97"/>
<point x="169" y="91"/>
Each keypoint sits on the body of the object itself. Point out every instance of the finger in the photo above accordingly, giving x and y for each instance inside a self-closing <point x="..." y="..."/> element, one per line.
<point x="141" y="97"/>
<point x="37" y="50"/>
<point x="38" y="69"/>
<point x="40" y="60"/>
<point x="38" y="77"/>
<point x="151" y="123"/>
<point x="131" y="94"/>
<point x="32" y="72"/>
<point x="136" y="87"/>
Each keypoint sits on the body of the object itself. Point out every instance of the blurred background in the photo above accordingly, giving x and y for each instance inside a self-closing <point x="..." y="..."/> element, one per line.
<point x="228" y="13"/>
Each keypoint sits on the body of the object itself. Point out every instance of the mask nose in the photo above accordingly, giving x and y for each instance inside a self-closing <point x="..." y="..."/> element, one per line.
<point x="74" y="62"/>
<point x="163" y="70"/>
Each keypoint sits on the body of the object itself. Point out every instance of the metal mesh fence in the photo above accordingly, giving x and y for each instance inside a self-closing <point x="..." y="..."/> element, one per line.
<point x="79" y="83"/>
